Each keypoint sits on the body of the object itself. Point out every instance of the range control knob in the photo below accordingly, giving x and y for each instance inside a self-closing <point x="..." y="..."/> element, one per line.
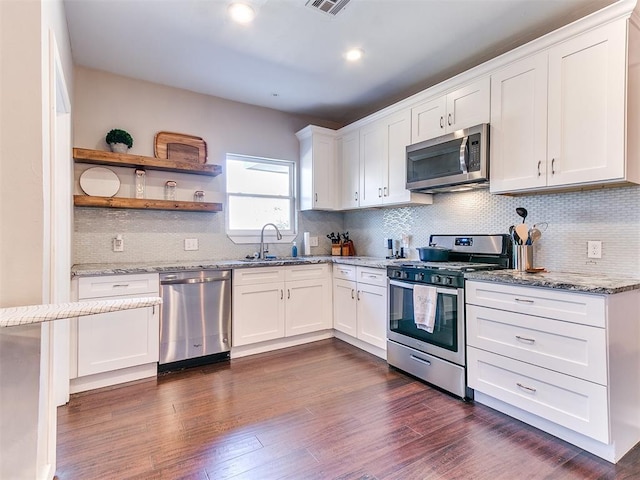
<point x="421" y="277"/>
<point x="405" y="275"/>
<point x="436" y="279"/>
<point x="448" y="281"/>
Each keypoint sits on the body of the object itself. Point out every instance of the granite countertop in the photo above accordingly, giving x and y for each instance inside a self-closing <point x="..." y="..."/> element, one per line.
<point x="15" y="316"/>
<point x="577" y="282"/>
<point x="93" y="269"/>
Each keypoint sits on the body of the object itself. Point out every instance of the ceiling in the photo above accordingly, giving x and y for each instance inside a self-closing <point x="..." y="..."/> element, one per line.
<point x="290" y="57"/>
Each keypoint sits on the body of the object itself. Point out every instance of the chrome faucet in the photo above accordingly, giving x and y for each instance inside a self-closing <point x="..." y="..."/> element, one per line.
<point x="278" y="236"/>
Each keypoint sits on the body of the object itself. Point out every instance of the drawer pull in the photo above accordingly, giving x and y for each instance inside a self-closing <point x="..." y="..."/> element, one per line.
<point x="523" y="300"/>
<point x="352" y="294"/>
<point x="120" y="285"/>
<point x="524" y="387"/>
<point x="525" y="339"/>
<point x="420" y="360"/>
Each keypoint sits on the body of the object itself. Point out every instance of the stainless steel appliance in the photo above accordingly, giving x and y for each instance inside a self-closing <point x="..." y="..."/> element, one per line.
<point x="450" y="162"/>
<point x="195" y="318"/>
<point x="439" y="357"/>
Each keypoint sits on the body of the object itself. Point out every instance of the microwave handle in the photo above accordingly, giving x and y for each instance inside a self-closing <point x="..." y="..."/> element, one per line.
<point x="463" y="155"/>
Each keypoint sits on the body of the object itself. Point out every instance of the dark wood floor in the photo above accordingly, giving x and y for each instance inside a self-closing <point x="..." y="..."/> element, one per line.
<point x="321" y="411"/>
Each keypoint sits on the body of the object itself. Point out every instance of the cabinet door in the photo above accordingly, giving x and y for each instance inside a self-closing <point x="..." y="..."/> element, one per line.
<point x="587" y="107"/>
<point x="428" y="119"/>
<point x="115" y="340"/>
<point x="398" y="136"/>
<point x="372" y="160"/>
<point x="317" y="159"/>
<point x="344" y="307"/>
<point x="468" y="106"/>
<point x="519" y="126"/>
<point x="372" y="315"/>
<point x="307" y="306"/>
<point x="349" y="155"/>
<point x="258" y="313"/>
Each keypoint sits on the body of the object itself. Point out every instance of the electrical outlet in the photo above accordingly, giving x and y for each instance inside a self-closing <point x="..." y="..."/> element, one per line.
<point x="191" y="244"/>
<point x="118" y="243"/>
<point x="594" y="249"/>
<point x="313" y="241"/>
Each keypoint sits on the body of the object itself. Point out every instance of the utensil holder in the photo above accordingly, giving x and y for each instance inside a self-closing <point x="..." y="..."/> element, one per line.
<point x="523" y="257"/>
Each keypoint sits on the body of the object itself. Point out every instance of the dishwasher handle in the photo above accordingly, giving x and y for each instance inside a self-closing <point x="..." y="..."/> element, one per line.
<point x="195" y="280"/>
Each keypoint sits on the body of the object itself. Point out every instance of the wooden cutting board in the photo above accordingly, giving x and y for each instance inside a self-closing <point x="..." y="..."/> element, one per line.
<point x="180" y="147"/>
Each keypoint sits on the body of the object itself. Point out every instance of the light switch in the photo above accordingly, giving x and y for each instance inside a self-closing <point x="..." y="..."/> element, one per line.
<point x="190" y="244"/>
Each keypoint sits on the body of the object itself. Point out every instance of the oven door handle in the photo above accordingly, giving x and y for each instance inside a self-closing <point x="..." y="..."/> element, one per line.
<point x="446" y="291"/>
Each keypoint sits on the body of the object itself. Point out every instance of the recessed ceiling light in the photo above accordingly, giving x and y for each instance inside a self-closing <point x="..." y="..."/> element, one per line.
<point x="241" y="13"/>
<point x="354" y="54"/>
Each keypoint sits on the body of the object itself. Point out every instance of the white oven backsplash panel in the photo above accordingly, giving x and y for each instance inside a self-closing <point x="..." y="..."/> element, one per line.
<point x="609" y="215"/>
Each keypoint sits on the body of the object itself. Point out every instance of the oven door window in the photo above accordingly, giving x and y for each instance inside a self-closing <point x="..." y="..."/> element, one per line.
<point x="445" y="330"/>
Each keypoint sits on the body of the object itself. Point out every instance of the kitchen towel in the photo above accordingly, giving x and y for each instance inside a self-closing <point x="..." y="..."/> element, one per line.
<point x="424" y="307"/>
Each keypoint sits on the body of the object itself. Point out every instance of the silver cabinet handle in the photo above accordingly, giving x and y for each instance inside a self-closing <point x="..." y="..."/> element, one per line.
<point x="120" y="285"/>
<point x="441" y="122"/>
<point x="449" y="120"/>
<point x="380" y="193"/>
<point x="553" y="169"/>
<point x="385" y="191"/>
<point x="288" y="293"/>
<point x="356" y="196"/>
<point x="525" y="339"/>
<point x="358" y="295"/>
<point x="281" y="294"/>
<point x="420" y="360"/>
<point x="316" y="197"/>
<point x="524" y="387"/>
<point x="539" y="163"/>
<point x="352" y="294"/>
<point x="523" y="300"/>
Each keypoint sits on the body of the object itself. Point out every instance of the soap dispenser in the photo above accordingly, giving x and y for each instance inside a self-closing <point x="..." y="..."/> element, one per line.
<point x="294" y="250"/>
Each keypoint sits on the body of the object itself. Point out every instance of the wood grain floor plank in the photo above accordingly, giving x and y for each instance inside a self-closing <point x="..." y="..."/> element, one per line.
<point x="320" y="411"/>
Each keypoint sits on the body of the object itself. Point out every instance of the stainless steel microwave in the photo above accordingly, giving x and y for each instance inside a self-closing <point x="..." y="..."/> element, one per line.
<point x="456" y="161"/>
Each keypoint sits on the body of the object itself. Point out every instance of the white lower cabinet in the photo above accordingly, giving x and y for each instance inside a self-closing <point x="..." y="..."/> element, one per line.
<point x="360" y="304"/>
<point x="565" y="362"/>
<point x="275" y="302"/>
<point x="113" y="347"/>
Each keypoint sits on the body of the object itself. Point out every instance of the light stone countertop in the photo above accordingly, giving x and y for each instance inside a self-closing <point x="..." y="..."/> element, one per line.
<point x="15" y="316"/>
<point x="577" y="282"/>
<point x="94" y="269"/>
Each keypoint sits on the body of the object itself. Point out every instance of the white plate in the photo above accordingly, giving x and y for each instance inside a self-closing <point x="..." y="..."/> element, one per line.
<point x="99" y="182"/>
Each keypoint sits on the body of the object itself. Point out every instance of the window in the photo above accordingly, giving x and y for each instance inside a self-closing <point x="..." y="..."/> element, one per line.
<point x="259" y="191"/>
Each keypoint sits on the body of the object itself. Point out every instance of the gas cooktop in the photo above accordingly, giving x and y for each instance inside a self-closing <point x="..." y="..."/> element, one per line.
<point x="450" y="266"/>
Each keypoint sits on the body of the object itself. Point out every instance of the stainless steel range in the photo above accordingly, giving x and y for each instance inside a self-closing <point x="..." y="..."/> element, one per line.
<point x="435" y="352"/>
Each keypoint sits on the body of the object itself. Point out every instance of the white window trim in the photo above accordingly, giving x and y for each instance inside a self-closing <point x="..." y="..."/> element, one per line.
<point x="253" y="236"/>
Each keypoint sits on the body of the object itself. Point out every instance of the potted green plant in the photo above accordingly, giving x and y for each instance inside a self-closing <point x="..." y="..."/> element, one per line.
<point x="119" y="140"/>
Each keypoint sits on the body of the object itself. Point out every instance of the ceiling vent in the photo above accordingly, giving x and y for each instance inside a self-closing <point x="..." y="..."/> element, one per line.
<point x="330" y="7"/>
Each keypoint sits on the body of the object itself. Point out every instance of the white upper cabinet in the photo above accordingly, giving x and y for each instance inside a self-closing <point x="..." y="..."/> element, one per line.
<point x="383" y="170"/>
<point x="558" y="117"/>
<point x="317" y="168"/>
<point x="462" y="108"/>
<point x="519" y="125"/>
<point x="349" y="169"/>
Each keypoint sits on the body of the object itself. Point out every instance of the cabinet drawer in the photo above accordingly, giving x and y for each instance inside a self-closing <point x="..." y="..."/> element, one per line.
<point x="541" y="302"/>
<point x="306" y="272"/>
<point x="256" y="275"/>
<point x="564" y="347"/>
<point x="573" y="403"/>
<point x="372" y="276"/>
<point x="344" y="272"/>
<point x="116" y="286"/>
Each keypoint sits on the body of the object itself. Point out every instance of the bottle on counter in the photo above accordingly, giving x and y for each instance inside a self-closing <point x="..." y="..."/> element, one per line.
<point x="294" y="250"/>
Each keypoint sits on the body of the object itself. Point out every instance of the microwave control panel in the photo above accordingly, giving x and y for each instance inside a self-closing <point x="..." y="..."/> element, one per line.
<point x="474" y="154"/>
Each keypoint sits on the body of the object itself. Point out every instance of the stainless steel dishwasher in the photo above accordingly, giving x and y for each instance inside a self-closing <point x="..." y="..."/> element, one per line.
<point x="195" y="318"/>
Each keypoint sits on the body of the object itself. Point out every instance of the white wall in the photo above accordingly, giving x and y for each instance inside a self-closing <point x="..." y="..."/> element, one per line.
<point x="27" y="416"/>
<point x="104" y="101"/>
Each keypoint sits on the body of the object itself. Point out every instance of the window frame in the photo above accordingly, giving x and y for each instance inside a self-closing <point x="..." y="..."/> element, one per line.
<point x="251" y="235"/>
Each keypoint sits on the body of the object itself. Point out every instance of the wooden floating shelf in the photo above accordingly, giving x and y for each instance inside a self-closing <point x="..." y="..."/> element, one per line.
<point x="100" y="157"/>
<point x="145" y="204"/>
